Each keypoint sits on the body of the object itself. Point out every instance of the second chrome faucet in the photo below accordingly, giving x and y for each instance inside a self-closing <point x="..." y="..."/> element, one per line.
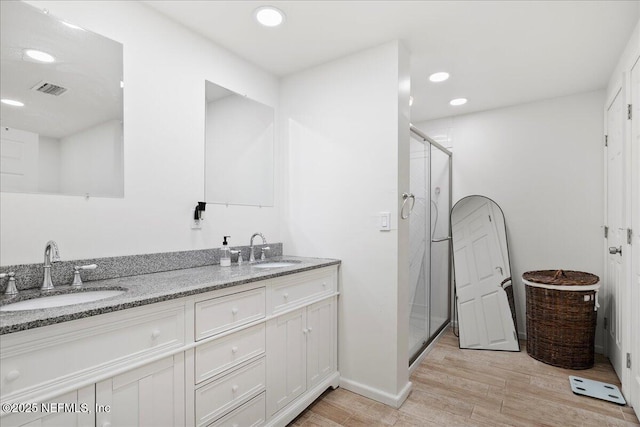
<point x="252" y="257"/>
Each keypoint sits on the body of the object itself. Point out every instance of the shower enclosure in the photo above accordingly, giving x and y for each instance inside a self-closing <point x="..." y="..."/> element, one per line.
<point x="430" y="255"/>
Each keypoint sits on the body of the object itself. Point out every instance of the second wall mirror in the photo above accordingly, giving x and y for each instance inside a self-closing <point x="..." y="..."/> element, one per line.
<point x="239" y="149"/>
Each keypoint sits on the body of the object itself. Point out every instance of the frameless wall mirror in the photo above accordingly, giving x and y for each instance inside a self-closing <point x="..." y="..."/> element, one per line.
<point x="61" y="117"/>
<point x="485" y="305"/>
<point x="239" y="134"/>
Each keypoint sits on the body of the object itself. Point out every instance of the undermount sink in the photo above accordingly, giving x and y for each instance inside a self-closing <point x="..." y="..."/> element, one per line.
<point x="275" y="264"/>
<point x="61" y="300"/>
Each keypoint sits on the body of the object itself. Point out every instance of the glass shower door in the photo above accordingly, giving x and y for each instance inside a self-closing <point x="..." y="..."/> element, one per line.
<point x="429" y="263"/>
<point x="439" y="302"/>
<point x="419" y="220"/>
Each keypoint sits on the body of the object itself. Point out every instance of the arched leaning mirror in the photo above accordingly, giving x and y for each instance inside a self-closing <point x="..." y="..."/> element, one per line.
<point x="484" y="297"/>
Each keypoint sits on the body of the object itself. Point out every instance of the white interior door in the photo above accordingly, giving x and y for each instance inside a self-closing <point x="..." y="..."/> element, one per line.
<point x="634" y="301"/>
<point x="484" y="315"/>
<point x="617" y="235"/>
<point x="18" y="160"/>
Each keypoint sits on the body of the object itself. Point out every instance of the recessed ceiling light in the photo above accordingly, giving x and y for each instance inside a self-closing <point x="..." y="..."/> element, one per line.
<point x="439" y="77"/>
<point x="269" y="16"/>
<point x="12" y="102"/>
<point x="39" y="55"/>
<point x="458" y="101"/>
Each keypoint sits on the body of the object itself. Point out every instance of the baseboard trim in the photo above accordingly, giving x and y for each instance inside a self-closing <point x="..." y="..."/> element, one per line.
<point x="378" y="395"/>
<point x="289" y="413"/>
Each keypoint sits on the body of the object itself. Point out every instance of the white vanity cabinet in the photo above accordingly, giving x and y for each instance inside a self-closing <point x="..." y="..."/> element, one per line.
<point x="73" y="409"/>
<point x="322" y="333"/>
<point x="266" y="353"/>
<point x="302" y="352"/>
<point x="247" y="355"/>
<point x="229" y="363"/>
<point x="286" y="362"/>
<point x="152" y="395"/>
<point x="302" y="342"/>
<point x="57" y="366"/>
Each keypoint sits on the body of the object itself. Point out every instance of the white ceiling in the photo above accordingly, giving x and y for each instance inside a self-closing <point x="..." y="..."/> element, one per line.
<point x="498" y="52"/>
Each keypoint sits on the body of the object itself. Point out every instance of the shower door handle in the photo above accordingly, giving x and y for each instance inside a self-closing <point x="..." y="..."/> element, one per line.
<point x="405" y="199"/>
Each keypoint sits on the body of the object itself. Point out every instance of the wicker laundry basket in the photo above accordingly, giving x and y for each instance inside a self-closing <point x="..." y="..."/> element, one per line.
<point x="561" y="317"/>
<point x="506" y="285"/>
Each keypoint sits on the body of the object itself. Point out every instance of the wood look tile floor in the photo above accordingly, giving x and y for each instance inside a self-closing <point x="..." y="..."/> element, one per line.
<point x="454" y="387"/>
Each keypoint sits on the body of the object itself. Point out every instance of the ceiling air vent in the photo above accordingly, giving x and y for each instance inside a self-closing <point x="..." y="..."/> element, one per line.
<point x="49" y="88"/>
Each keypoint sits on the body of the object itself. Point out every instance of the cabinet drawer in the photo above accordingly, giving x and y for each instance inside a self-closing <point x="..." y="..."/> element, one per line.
<point x="301" y="289"/>
<point x="217" y="356"/>
<point x="222" y="395"/>
<point x="46" y="359"/>
<point x="251" y="414"/>
<point x="221" y="314"/>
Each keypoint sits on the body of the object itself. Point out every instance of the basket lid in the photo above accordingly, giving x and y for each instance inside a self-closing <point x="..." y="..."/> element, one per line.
<point x="561" y="277"/>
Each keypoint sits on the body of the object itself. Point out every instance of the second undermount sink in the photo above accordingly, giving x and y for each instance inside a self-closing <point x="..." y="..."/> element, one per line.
<point x="61" y="300"/>
<point x="275" y="264"/>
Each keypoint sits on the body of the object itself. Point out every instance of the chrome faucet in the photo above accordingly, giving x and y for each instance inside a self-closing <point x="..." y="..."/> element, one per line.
<point x="252" y="257"/>
<point x="51" y="254"/>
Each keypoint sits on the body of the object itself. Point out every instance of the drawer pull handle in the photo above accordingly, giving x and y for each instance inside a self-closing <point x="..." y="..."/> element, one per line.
<point x="304" y="331"/>
<point x="155" y="334"/>
<point x="285" y="295"/>
<point x="324" y="284"/>
<point x="12" y="375"/>
<point x="234" y="349"/>
<point x="234" y="388"/>
<point x="309" y="329"/>
<point x="234" y="310"/>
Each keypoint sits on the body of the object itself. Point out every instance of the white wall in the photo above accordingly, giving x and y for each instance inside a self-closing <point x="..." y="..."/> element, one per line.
<point x="542" y="163"/>
<point x="345" y="132"/>
<point x="239" y="151"/>
<point x="625" y="63"/>
<point x="91" y="161"/>
<point x="48" y="164"/>
<point x="165" y="67"/>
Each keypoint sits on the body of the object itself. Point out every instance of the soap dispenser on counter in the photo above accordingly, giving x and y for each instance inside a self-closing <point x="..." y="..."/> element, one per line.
<point x="225" y="253"/>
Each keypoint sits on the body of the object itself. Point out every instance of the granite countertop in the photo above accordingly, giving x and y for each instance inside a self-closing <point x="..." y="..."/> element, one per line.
<point x="147" y="289"/>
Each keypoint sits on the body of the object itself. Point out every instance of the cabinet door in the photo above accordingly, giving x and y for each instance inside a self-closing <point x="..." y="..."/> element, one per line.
<point x="286" y="356"/>
<point x="151" y="395"/>
<point x="73" y="409"/>
<point x="321" y="347"/>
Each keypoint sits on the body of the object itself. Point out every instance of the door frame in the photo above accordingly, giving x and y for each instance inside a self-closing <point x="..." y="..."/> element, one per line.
<point x="634" y="247"/>
<point x="615" y="320"/>
<point x="625" y="308"/>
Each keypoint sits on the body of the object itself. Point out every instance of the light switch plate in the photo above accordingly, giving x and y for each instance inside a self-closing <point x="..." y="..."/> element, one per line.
<point x="385" y="221"/>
